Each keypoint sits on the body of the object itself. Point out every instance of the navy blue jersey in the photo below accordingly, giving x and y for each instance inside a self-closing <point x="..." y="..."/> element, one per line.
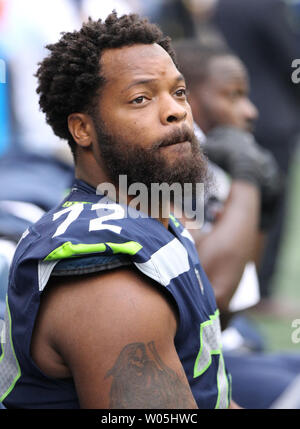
<point x="87" y="233"/>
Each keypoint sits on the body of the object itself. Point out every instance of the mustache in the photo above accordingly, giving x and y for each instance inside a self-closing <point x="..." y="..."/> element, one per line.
<point x="178" y="135"/>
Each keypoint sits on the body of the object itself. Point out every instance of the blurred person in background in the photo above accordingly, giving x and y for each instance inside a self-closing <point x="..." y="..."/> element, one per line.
<point x="218" y="94"/>
<point x="238" y="214"/>
<point x="265" y="35"/>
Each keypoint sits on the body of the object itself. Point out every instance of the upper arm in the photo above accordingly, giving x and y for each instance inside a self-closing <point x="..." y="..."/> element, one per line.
<point x="115" y="332"/>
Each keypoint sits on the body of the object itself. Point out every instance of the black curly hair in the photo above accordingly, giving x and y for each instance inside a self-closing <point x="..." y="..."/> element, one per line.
<point x="69" y="79"/>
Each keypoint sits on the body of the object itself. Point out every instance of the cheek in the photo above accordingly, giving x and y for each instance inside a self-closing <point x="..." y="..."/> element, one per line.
<point x="213" y="106"/>
<point x="224" y="110"/>
<point x="135" y="130"/>
<point x="135" y="126"/>
<point x="238" y="114"/>
<point x="121" y="124"/>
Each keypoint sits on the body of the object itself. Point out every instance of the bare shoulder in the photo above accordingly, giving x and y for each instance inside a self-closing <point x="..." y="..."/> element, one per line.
<point x="114" y="334"/>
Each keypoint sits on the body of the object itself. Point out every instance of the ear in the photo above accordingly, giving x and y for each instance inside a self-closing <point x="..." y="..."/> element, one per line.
<point x="80" y="127"/>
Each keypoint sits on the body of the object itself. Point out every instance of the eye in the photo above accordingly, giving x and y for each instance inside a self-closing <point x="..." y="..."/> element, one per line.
<point x="235" y="94"/>
<point x="182" y="93"/>
<point x="139" y="100"/>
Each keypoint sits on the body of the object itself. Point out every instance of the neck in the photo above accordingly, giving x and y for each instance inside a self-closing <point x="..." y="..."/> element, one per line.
<point x="88" y="170"/>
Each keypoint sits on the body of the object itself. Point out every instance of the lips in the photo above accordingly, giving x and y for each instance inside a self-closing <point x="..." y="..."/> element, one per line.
<point x="175" y="143"/>
<point x="178" y="136"/>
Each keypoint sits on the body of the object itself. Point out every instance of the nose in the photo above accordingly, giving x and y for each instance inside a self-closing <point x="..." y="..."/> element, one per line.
<point x="172" y="110"/>
<point x="250" y="111"/>
<point x="246" y="114"/>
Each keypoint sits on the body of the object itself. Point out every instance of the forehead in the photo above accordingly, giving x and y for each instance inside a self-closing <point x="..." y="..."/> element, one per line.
<point x="227" y="70"/>
<point x="127" y="64"/>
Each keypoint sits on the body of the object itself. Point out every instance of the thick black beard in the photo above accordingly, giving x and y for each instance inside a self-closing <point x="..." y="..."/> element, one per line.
<point x="146" y="166"/>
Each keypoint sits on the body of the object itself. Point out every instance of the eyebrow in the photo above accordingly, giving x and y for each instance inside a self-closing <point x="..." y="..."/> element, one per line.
<point x="179" y="78"/>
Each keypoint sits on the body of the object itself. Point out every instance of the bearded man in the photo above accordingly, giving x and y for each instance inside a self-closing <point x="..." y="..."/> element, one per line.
<point x="99" y="302"/>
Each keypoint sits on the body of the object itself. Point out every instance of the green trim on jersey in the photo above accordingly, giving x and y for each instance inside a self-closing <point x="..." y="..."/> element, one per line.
<point x="221" y="377"/>
<point x="71" y="203"/>
<point x="215" y="351"/>
<point x="70" y="250"/>
<point x="175" y="221"/>
<point x="204" y="357"/>
<point x="129" y="248"/>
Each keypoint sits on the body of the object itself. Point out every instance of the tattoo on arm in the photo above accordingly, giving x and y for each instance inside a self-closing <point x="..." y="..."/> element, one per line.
<point x="142" y="380"/>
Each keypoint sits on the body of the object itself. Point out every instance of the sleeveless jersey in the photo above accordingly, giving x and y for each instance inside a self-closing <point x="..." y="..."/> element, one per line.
<point x="89" y="233"/>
